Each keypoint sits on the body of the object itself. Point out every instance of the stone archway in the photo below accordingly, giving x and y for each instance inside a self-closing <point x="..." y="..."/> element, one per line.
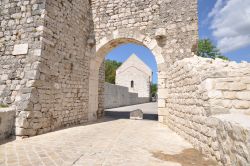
<point x="104" y="46"/>
<point x="50" y="73"/>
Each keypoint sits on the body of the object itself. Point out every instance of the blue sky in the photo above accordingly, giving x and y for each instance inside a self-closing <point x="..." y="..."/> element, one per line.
<point x="123" y="52"/>
<point x="225" y="22"/>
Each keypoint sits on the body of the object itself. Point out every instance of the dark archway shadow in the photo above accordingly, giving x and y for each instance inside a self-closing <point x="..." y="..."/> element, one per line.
<point x="16" y="138"/>
<point x="7" y="140"/>
<point x="126" y="115"/>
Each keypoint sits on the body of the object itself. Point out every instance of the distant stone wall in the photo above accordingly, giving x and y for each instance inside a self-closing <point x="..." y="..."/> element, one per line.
<point x="7" y="122"/>
<point x="117" y="96"/>
<point x="194" y="94"/>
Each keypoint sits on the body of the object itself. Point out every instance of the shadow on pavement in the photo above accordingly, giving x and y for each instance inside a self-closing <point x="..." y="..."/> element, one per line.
<point x="15" y="138"/>
<point x="109" y="116"/>
<point x="126" y="115"/>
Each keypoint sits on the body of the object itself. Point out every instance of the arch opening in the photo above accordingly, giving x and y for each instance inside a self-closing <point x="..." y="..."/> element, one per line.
<point x="96" y="83"/>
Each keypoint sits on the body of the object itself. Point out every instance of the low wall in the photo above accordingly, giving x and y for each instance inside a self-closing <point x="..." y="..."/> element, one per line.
<point x="197" y="90"/>
<point x="7" y="122"/>
<point x="224" y="141"/>
<point x="117" y="96"/>
<point x="231" y="92"/>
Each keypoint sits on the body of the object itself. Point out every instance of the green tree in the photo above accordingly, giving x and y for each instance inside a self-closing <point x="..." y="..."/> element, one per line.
<point x="110" y="70"/>
<point x="154" y="89"/>
<point x="206" y="49"/>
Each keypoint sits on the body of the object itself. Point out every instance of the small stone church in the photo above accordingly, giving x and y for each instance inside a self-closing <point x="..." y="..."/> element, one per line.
<point x="135" y="75"/>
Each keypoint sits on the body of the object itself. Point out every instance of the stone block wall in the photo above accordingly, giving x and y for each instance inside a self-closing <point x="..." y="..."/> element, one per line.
<point x="173" y="23"/>
<point x="20" y="48"/>
<point x="135" y="99"/>
<point x="190" y="98"/>
<point x="44" y="60"/>
<point x="62" y="84"/>
<point x="20" y="55"/>
<point x="224" y="141"/>
<point x="45" y="74"/>
<point x="101" y="91"/>
<point x="118" y="96"/>
<point x="177" y="17"/>
<point x="7" y="122"/>
<point x="229" y="88"/>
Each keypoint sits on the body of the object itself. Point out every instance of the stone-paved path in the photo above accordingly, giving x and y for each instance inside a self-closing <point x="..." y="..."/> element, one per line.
<point x="107" y="143"/>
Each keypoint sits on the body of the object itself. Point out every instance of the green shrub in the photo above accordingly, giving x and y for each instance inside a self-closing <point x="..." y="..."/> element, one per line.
<point x="205" y="48"/>
<point x="3" y="106"/>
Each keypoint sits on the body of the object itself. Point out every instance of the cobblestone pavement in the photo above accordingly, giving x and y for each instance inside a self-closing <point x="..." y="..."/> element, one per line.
<point x="106" y="143"/>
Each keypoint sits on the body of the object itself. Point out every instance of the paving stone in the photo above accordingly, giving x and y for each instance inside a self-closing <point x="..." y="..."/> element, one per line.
<point x="108" y="142"/>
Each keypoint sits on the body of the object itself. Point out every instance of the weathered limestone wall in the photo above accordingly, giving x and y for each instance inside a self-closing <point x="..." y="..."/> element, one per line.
<point x="62" y="85"/>
<point x="46" y="78"/>
<point x="20" y="47"/>
<point x="20" y="53"/>
<point x="229" y="90"/>
<point x="190" y="102"/>
<point x="178" y="18"/>
<point x="117" y="96"/>
<point x="101" y="91"/>
<point x="7" y="122"/>
<point x="225" y="141"/>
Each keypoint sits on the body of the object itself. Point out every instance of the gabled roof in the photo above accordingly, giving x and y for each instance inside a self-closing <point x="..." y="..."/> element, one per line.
<point x="134" y="61"/>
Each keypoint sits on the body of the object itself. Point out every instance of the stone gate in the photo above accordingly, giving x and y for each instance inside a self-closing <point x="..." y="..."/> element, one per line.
<point x="168" y="28"/>
<point x="52" y="73"/>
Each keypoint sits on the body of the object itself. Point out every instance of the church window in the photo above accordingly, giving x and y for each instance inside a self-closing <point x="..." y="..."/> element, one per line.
<point x="132" y="84"/>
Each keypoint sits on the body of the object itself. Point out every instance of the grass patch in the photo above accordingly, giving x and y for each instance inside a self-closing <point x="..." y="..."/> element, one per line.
<point x="3" y="106"/>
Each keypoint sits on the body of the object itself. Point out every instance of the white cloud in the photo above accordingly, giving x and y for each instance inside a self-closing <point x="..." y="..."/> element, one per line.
<point x="218" y="5"/>
<point x="231" y="24"/>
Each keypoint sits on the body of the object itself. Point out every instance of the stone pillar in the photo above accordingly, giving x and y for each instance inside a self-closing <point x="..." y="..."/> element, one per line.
<point x="100" y="112"/>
